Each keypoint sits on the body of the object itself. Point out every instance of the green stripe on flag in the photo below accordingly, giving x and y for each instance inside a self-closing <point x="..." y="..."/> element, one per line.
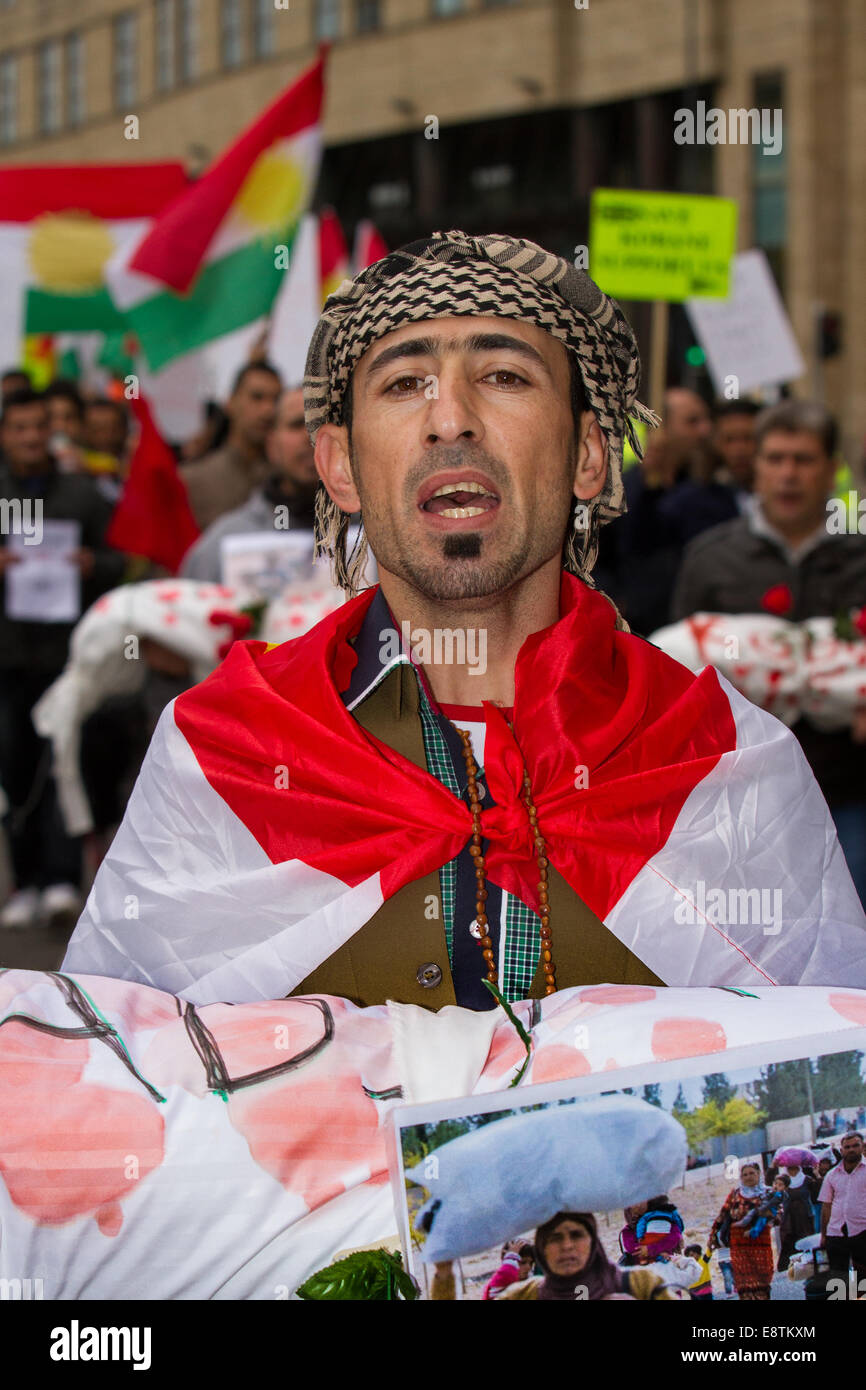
<point x="50" y="312"/>
<point x="235" y="290"/>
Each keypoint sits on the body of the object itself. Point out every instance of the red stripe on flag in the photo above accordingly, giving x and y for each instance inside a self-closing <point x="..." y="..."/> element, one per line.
<point x="153" y="517"/>
<point x="175" y="247"/>
<point x="333" y="251"/>
<point x="111" y="191"/>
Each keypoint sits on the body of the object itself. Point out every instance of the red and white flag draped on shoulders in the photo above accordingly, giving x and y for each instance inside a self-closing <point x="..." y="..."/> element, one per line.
<point x="267" y="826"/>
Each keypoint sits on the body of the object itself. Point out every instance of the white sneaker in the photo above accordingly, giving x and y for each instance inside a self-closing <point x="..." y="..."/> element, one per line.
<point x="60" y="905"/>
<point x="21" y="910"/>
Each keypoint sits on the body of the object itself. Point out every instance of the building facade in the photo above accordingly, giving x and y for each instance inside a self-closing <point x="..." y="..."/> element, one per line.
<point x="493" y="115"/>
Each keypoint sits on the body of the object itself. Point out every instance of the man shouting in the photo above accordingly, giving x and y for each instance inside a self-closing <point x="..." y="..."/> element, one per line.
<point x="473" y="772"/>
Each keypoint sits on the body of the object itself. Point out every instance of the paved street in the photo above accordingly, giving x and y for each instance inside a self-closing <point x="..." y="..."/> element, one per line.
<point x="39" y="948"/>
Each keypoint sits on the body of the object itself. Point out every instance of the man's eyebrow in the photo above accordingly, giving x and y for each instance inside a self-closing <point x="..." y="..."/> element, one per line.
<point x="434" y="347"/>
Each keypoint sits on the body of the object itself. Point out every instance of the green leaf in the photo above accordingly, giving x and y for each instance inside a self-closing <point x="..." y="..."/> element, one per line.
<point x="365" y="1276"/>
<point x="255" y="611"/>
<point x="843" y="626"/>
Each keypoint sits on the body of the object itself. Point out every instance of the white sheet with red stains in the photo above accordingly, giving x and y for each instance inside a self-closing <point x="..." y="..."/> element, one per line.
<point x="149" y="1149"/>
<point x="793" y="670"/>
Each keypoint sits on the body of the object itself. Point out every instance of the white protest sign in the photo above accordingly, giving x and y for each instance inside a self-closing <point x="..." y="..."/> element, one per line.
<point x="261" y="564"/>
<point x="748" y="335"/>
<point x="45" y="585"/>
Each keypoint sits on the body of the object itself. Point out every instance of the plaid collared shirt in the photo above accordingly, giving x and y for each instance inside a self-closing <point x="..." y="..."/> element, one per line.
<point x="520" y="950"/>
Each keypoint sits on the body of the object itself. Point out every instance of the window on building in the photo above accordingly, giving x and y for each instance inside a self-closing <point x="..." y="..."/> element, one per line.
<point x="165" y="44"/>
<point x="327" y="19"/>
<point x="232" y="33"/>
<point x="187" y="39"/>
<point x="263" y="28"/>
<point x="48" y="63"/>
<point x="8" y="99"/>
<point x="75" y="85"/>
<point x="367" y="17"/>
<point x="445" y="7"/>
<point x="125" y="54"/>
<point x="770" y="176"/>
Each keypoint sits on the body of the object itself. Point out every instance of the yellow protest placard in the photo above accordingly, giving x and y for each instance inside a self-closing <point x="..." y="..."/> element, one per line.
<point x="662" y="246"/>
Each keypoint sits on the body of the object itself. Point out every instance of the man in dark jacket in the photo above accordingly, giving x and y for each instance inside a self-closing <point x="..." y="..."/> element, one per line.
<point x="672" y="497"/>
<point x="785" y="540"/>
<point x="46" y="863"/>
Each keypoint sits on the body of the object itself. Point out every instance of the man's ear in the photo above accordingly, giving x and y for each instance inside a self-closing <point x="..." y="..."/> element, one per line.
<point x="334" y="467"/>
<point x="591" y="470"/>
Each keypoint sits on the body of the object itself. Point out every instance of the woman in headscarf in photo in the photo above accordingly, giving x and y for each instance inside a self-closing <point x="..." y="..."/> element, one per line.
<point x="568" y="1249"/>
<point x="752" y="1260"/>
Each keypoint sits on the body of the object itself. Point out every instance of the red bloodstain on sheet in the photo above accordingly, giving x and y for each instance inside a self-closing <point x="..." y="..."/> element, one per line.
<point x="110" y="1219"/>
<point x="140" y="1006"/>
<point x="312" y="1128"/>
<point x="850" y="1006"/>
<point x="686" y="1037"/>
<point x="557" y="1063"/>
<point x="66" y="1144"/>
<point x="317" y="1134"/>
<point x="259" y="1036"/>
<point x="506" y="1051"/>
<point x="617" y="994"/>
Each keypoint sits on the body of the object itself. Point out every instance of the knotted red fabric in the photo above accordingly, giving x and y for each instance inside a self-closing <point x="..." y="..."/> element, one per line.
<point x="614" y="734"/>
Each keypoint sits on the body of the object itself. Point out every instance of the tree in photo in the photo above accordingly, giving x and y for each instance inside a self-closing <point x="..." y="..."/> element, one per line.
<point x="783" y="1090"/>
<point x="717" y="1087"/>
<point x="838" y="1081"/>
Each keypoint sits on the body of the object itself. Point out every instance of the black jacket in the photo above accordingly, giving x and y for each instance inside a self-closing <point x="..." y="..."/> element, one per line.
<point x="729" y="569"/>
<point x="648" y="542"/>
<point x="65" y="497"/>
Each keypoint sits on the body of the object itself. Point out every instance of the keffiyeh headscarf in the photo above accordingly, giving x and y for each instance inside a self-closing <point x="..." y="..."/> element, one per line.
<point x="453" y="273"/>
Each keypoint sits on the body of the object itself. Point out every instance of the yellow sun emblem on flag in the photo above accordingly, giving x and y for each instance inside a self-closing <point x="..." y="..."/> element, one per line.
<point x="68" y="250"/>
<point x="273" y="192"/>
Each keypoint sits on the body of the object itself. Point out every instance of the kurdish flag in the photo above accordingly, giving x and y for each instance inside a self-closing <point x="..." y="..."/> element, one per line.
<point x="215" y="259"/>
<point x="60" y="225"/>
<point x="369" y="246"/>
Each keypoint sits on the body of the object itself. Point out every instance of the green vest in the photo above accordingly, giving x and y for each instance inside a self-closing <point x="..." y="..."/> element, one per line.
<point x="401" y="945"/>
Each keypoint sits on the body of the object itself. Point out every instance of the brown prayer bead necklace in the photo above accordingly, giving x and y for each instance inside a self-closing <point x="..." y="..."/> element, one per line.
<point x="477" y="853"/>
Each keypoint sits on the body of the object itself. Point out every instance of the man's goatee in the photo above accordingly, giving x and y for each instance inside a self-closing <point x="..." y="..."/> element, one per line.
<point x="463" y="545"/>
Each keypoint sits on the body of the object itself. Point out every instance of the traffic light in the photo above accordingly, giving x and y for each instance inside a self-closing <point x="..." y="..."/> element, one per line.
<point x="829" y="334"/>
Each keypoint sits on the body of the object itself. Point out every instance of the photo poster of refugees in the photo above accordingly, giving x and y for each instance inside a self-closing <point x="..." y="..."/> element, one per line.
<point x="682" y="1183"/>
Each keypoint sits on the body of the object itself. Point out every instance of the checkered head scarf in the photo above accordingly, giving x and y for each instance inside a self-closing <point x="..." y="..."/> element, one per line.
<point x="453" y="273"/>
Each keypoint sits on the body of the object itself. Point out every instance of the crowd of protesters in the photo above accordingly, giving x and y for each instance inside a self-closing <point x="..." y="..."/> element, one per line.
<point x="69" y="454"/>
<point x="727" y="505"/>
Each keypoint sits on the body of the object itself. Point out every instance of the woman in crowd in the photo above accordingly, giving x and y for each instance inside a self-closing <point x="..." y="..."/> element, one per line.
<point x="751" y="1258"/>
<point x="568" y="1249"/>
<point x="798" y="1216"/>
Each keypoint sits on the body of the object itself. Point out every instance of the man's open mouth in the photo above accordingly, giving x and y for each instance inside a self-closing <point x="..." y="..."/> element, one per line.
<point x="459" y="500"/>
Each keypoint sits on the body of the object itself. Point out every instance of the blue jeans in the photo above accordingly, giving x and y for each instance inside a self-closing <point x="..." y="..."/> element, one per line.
<point x="850" y="822"/>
